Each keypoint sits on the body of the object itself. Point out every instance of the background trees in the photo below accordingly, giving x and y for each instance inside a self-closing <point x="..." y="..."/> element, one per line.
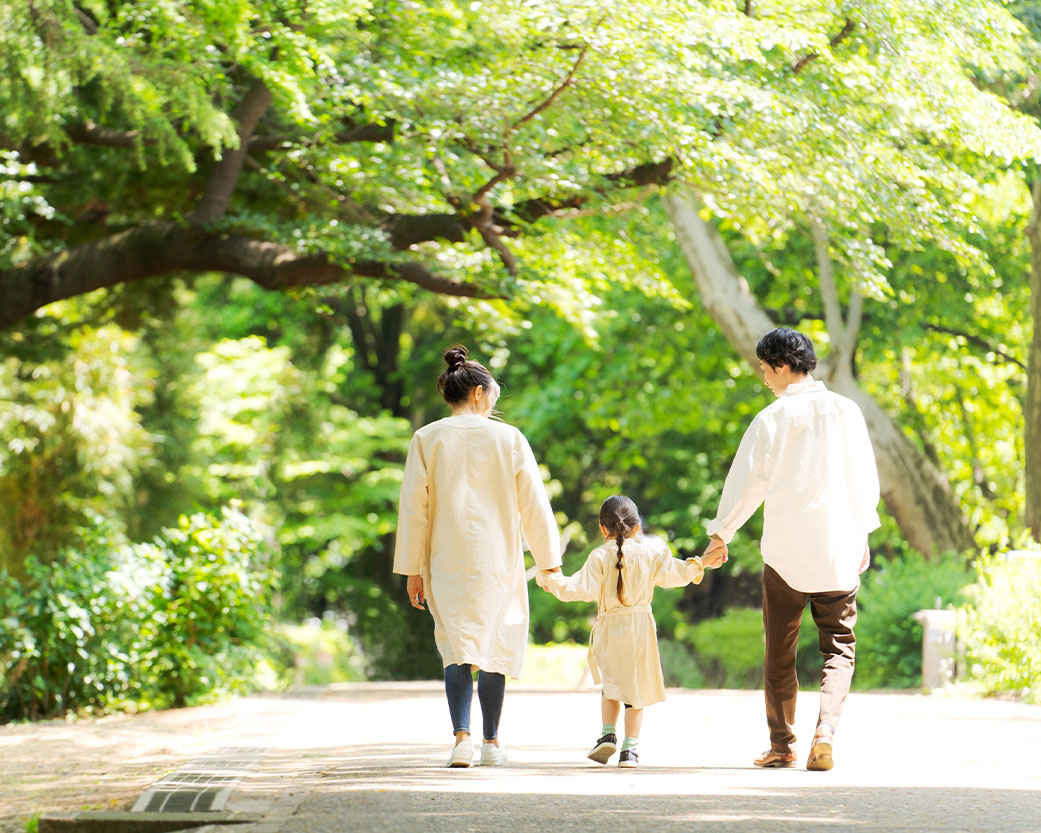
<point x="608" y="202"/>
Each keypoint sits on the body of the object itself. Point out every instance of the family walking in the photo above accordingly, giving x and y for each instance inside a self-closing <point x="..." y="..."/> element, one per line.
<point x="472" y="486"/>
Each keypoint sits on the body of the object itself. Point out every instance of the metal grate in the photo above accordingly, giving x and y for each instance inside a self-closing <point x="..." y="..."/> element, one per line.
<point x="203" y="784"/>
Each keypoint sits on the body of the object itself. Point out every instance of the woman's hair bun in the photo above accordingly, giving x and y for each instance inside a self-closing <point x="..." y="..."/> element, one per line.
<point x="455" y="356"/>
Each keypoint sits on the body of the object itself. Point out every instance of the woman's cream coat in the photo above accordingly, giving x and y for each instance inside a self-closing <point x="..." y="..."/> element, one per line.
<point x="623" y="644"/>
<point x="469" y="484"/>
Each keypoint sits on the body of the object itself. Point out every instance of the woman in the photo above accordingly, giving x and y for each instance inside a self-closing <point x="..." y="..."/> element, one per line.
<point x="469" y="484"/>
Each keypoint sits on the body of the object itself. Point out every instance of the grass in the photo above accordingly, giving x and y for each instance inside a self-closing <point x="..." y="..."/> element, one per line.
<point x="555" y="664"/>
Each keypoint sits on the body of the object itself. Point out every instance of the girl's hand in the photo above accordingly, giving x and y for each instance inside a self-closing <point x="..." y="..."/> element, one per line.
<point x="416" y="592"/>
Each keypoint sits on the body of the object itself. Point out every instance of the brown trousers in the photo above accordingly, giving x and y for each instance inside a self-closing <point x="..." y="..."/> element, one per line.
<point x="834" y="614"/>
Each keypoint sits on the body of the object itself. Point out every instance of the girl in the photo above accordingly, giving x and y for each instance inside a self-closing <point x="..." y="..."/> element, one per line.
<point x="621" y="576"/>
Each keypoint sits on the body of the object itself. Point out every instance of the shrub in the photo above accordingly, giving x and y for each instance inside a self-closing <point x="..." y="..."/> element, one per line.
<point x="205" y="631"/>
<point x="889" y="640"/>
<point x="63" y="635"/>
<point x="147" y="624"/>
<point x="1001" y="627"/>
<point x="729" y="650"/>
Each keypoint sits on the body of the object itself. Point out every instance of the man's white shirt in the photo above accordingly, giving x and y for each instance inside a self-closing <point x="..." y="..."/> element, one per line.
<point x="809" y="458"/>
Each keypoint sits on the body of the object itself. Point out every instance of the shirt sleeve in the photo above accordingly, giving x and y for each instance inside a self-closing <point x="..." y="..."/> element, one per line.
<point x="864" y="484"/>
<point x="410" y="546"/>
<point x="539" y="526"/>
<point x="583" y="586"/>
<point x="747" y="481"/>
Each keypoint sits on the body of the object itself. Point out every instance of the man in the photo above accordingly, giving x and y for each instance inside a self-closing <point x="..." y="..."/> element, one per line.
<point x="808" y="456"/>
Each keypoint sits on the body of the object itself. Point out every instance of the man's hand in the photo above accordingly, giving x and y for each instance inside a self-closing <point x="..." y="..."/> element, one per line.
<point x="866" y="562"/>
<point x="716" y="553"/>
<point x="416" y="592"/>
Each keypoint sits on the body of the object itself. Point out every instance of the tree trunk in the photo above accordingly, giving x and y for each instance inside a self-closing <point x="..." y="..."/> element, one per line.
<point x="916" y="493"/>
<point x="1032" y="406"/>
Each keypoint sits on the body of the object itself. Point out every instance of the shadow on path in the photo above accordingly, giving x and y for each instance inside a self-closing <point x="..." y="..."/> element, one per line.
<point x="409" y="790"/>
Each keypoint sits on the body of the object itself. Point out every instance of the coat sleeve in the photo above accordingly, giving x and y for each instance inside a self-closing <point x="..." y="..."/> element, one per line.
<point x="747" y="481"/>
<point x="675" y="572"/>
<point x="583" y="586"/>
<point x="539" y="526"/>
<point x="410" y="546"/>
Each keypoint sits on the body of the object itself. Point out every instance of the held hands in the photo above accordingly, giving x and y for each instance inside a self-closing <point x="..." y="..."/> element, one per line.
<point x="542" y="576"/>
<point x="416" y="592"/>
<point x="716" y="553"/>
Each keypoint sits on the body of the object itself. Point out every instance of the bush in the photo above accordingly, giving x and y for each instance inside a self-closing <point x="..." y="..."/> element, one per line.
<point x="64" y="636"/>
<point x="1001" y="627"/>
<point x="205" y="616"/>
<point x="142" y="625"/>
<point x="889" y="640"/>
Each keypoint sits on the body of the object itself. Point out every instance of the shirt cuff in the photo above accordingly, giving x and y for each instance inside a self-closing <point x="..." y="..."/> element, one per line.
<point x="715" y="527"/>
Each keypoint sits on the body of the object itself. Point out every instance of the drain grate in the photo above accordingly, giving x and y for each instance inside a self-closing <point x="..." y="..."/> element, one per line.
<point x="204" y="784"/>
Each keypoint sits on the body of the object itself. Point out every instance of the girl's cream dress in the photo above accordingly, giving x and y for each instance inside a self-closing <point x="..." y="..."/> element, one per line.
<point x="623" y="644"/>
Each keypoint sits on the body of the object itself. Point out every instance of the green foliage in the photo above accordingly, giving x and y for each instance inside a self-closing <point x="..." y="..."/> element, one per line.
<point x="728" y="651"/>
<point x="71" y="438"/>
<point x="889" y="641"/>
<point x="157" y="624"/>
<point x="179" y="396"/>
<point x="209" y="609"/>
<point x="1001" y="627"/>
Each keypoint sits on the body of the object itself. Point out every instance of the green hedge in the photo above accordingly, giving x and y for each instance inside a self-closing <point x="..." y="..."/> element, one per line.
<point x="144" y="625"/>
<point x="727" y="652"/>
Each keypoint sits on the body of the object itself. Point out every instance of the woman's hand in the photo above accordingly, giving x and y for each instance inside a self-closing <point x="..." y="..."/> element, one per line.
<point x="416" y="592"/>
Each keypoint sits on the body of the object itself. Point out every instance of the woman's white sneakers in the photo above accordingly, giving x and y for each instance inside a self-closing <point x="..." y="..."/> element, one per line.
<point x="492" y="755"/>
<point x="462" y="755"/>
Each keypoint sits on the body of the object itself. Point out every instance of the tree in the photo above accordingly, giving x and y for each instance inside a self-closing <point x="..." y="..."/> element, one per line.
<point x="426" y="144"/>
<point x="889" y="152"/>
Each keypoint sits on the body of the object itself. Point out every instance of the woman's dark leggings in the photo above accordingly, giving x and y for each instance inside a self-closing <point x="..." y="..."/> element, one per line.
<point x="459" y="686"/>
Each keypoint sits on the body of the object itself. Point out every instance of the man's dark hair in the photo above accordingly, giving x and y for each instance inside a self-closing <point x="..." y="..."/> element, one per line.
<point x="787" y="346"/>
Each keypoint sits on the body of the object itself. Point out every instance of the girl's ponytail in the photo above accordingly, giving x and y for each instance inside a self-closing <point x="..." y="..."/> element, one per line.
<point x="619" y="516"/>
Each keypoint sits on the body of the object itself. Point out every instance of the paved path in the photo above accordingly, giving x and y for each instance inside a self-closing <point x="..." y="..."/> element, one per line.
<point x="369" y="757"/>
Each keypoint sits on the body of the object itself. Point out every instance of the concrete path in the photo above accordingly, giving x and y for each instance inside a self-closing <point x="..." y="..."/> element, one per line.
<point x="369" y="757"/>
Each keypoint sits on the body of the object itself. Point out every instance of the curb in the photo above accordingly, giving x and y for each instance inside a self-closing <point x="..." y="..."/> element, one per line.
<point x="102" y="822"/>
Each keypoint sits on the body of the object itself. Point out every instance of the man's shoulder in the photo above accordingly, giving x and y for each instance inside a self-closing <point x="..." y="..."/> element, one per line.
<point x="815" y="401"/>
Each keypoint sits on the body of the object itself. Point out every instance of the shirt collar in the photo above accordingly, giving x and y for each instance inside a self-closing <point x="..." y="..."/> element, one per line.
<point x="804" y="387"/>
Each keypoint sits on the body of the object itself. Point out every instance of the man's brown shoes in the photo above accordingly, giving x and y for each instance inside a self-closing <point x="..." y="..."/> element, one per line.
<point x="820" y="759"/>
<point x="773" y="758"/>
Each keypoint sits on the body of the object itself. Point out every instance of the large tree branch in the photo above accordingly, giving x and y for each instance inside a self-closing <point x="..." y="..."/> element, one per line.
<point x="91" y="133"/>
<point x="157" y="249"/>
<point x="225" y="174"/>
<point x="826" y="279"/>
